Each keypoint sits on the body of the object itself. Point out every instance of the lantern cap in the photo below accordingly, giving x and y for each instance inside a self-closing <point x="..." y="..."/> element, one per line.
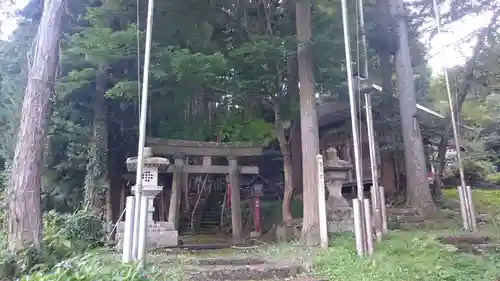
<point x="149" y="161"/>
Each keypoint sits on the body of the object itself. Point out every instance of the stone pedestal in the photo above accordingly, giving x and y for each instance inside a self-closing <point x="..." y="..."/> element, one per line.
<point x="151" y="207"/>
<point x="339" y="213"/>
<point x="159" y="234"/>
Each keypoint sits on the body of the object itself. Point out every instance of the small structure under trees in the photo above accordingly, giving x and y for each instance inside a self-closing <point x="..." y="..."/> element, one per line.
<point x="202" y="154"/>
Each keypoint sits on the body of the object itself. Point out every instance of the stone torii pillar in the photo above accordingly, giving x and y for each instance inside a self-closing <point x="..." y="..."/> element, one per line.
<point x="175" y="194"/>
<point x="234" y="182"/>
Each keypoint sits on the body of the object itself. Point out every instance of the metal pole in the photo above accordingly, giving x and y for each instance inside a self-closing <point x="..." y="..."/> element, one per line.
<point x="352" y="102"/>
<point x="142" y="130"/>
<point x="323" y="230"/>
<point x="452" y="111"/>
<point x="363" y="37"/>
<point x="354" y="124"/>
<point x="377" y="216"/>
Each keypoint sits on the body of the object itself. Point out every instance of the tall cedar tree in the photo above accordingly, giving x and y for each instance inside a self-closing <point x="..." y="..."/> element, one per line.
<point x="25" y="225"/>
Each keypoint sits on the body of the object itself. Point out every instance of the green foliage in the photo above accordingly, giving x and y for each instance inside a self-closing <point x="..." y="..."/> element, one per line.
<point x="416" y="255"/>
<point x="238" y="127"/>
<point x="85" y="229"/>
<point x="475" y="169"/>
<point x="13" y="74"/>
<point x="494" y="178"/>
<point x="64" y="236"/>
<point x="91" y="268"/>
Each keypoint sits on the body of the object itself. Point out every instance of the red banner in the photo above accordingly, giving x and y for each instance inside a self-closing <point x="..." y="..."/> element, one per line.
<point x="256" y="217"/>
<point x="228" y="196"/>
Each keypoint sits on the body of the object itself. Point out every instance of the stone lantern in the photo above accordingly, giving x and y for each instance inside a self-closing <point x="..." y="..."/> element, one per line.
<point x="152" y="167"/>
<point x="160" y="234"/>
<point x="339" y="213"/>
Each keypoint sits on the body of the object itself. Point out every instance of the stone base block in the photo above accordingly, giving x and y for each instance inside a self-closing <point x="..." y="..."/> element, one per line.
<point x="287" y="233"/>
<point x="255" y="234"/>
<point x="160" y="235"/>
<point x="340" y="226"/>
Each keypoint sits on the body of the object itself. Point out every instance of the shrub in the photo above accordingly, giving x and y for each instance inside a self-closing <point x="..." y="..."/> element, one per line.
<point x="64" y="236"/>
<point x="85" y="230"/>
<point x="475" y="170"/>
<point x="494" y="178"/>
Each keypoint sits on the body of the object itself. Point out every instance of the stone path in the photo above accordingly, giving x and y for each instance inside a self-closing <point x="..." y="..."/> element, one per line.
<point x="225" y="269"/>
<point x="238" y="265"/>
<point x="404" y="218"/>
<point x="472" y="243"/>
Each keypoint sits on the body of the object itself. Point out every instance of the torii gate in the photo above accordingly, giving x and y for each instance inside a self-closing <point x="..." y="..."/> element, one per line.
<point x="231" y="150"/>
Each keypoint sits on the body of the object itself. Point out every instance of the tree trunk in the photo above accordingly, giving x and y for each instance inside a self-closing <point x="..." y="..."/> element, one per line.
<point x="418" y="193"/>
<point x="286" y="145"/>
<point x="386" y="71"/>
<point x="96" y="178"/>
<point x="438" y="177"/>
<point x="25" y="225"/>
<point x="287" y="166"/>
<point x="309" y="124"/>
<point x="287" y="197"/>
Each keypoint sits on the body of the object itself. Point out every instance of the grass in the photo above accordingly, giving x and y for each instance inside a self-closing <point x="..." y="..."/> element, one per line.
<point x="414" y="256"/>
<point x="402" y="256"/>
<point x="486" y="201"/>
<point x="405" y="256"/>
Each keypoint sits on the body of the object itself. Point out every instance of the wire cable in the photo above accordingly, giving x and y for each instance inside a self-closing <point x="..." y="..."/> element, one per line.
<point x="358" y="82"/>
<point x="138" y="53"/>
<point x="363" y="37"/>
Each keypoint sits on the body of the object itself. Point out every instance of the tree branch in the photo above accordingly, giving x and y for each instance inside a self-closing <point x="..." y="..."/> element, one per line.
<point x="468" y="75"/>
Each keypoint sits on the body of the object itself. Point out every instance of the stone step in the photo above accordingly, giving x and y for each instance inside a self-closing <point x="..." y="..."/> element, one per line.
<point x="405" y="219"/>
<point x="402" y="212"/>
<point x="292" y="279"/>
<point x="225" y="261"/>
<point x="471" y="239"/>
<point x="267" y="271"/>
<point x="409" y="226"/>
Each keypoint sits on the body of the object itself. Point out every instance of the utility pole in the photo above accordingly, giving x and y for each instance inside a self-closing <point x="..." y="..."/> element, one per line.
<point x="418" y="192"/>
<point x="360" y="219"/>
<point x="139" y="235"/>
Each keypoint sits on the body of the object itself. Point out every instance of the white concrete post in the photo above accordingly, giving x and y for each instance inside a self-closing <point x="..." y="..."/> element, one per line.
<point x="151" y="208"/>
<point x="129" y="230"/>
<point x="323" y="230"/>
<point x="368" y="226"/>
<point x="472" y="213"/>
<point x="385" y="228"/>
<point x="143" y="231"/>
<point x="463" y="207"/>
<point x="358" y="226"/>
